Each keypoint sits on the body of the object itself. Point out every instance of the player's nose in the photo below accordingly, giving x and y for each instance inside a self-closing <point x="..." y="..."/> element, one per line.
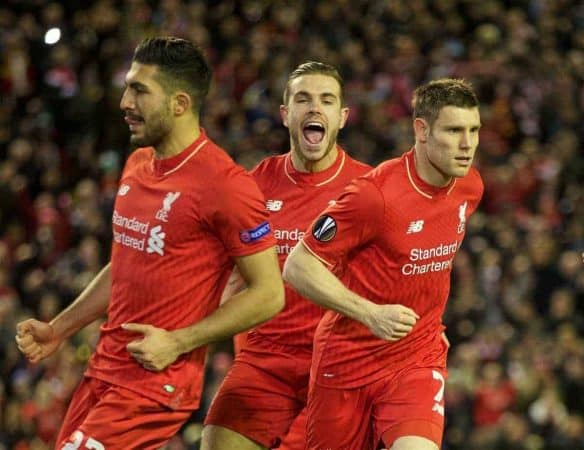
<point x="126" y="102"/>
<point x="466" y="140"/>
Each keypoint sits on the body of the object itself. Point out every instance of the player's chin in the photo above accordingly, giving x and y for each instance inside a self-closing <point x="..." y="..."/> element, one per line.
<point x="460" y="171"/>
<point x="137" y="141"/>
<point x="313" y="153"/>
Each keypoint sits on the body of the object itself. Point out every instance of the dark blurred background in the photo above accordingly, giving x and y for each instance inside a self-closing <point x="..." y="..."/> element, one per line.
<point x="515" y="318"/>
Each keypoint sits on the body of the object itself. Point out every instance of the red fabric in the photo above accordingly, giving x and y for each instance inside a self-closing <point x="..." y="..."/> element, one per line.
<point x="239" y="341"/>
<point x="296" y="437"/>
<point x="295" y="199"/>
<point x="263" y="393"/>
<point x="407" y="403"/>
<point x="115" y="418"/>
<point x="178" y="223"/>
<point x="395" y="240"/>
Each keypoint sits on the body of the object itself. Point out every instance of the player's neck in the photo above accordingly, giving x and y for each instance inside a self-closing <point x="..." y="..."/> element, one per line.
<point x="427" y="170"/>
<point x="183" y="134"/>
<point x="307" y="166"/>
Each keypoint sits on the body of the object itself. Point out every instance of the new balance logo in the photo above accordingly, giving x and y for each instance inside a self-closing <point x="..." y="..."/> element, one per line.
<point x="274" y="205"/>
<point x="156" y="240"/>
<point x="415" y="227"/>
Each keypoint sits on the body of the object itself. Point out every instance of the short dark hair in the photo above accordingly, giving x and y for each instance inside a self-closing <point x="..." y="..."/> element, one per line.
<point x="181" y="65"/>
<point x="314" y="68"/>
<point x="431" y="97"/>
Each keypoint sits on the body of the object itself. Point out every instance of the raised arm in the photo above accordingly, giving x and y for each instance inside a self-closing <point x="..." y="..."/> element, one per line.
<point x="37" y="340"/>
<point x="311" y="278"/>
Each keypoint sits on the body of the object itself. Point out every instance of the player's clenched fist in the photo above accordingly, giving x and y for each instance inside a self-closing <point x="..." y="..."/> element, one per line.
<point x="391" y="322"/>
<point x="36" y="339"/>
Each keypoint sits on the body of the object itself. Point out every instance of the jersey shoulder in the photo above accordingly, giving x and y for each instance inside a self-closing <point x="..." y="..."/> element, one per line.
<point x="357" y="167"/>
<point x="269" y="170"/>
<point x="386" y="172"/>
<point x="215" y="166"/>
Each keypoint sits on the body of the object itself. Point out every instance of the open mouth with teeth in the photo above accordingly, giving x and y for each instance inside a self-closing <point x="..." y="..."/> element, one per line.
<point x="313" y="133"/>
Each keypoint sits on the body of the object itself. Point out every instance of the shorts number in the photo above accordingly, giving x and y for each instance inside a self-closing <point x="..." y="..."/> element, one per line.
<point x="78" y="436"/>
<point x="440" y="394"/>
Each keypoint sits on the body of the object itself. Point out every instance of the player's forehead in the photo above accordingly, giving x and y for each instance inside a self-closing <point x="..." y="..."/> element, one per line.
<point x="315" y="84"/>
<point x="142" y="73"/>
<point x="458" y="116"/>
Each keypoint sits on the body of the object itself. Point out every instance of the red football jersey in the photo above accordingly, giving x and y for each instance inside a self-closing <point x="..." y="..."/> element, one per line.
<point x="177" y="224"/>
<point x="391" y="238"/>
<point x="294" y="199"/>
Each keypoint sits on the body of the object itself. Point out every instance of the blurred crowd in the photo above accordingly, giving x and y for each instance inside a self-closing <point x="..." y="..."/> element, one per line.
<point x="516" y="314"/>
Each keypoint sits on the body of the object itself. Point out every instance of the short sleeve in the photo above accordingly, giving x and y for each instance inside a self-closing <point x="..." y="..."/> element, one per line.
<point x="237" y="214"/>
<point x="351" y="222"/>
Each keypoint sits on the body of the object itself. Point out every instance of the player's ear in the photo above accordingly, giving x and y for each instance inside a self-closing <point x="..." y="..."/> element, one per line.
<point x="284" y="115"/>
<point x="182" y="103"/>
<point x="421" y="129"/>
<point x="344" y="117"/>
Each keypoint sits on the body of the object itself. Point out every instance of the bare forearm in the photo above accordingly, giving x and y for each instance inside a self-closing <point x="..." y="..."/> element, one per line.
<point x="243" y="311"/>
<point x="91" y="304"/>
<point x="314" y="281"/>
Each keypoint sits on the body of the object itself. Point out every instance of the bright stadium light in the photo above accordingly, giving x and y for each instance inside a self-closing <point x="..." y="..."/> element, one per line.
<point x="52" y="36"/>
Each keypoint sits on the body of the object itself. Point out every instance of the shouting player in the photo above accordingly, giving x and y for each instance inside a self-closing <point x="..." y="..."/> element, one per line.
<point x="184" y="214"/>
<point x="391" y="238"/>
<point x="266" y="388"/>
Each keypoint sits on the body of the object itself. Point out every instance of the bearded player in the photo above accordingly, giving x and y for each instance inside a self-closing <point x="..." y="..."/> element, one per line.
<point x="265" y="390"/>
<point x="183" y="216"/>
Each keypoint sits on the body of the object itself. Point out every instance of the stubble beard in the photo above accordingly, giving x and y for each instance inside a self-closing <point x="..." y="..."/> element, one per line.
<point x="155" y="131"/>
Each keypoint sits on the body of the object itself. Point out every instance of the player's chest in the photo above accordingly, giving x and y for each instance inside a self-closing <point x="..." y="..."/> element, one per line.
<point x="293" y="210"/>
<point x="149" y="202"/>
<point x="297" y="207"/>
<point x="154" y="217"/>
<point x="435" y="226"/>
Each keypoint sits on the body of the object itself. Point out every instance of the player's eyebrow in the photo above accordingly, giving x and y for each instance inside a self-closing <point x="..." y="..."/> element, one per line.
<point x="136" y="85"/>
<point x="308" y="94"/>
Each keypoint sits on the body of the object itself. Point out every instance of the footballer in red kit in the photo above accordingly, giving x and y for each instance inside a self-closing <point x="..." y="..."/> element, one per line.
<point x="184" y="215"/>
<point x="282" y="347"/>
<point x="220" y="208"/>
<point x="264" y="393"/>
<point x="380" y="260"/>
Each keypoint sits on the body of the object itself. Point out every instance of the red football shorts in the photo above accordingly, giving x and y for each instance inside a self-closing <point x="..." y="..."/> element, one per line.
<point x="263" y="393"/>
<point x="410" y="403"/>
<point x="296" y="437"/>
<point x="104" y="416"/>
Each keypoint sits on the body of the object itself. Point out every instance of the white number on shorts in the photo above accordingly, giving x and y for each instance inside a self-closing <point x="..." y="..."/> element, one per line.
<point x="440" y="394"/>
<point x="78" y="436"/>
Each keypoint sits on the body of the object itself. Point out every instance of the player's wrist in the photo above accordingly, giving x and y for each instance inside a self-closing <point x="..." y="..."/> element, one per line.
<point x="368" y="314"/>
<point x="57" y="332"/>
<point x="182" y="341"/>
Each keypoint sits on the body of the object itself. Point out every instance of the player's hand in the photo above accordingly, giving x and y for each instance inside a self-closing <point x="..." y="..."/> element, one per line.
<point x="36" y="340"/>
<point x="156" y="350"/>
<point x="391" y="322"/>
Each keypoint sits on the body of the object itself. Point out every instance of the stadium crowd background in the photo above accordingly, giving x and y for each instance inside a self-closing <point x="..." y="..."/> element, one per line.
<point x="516" y="314"/>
